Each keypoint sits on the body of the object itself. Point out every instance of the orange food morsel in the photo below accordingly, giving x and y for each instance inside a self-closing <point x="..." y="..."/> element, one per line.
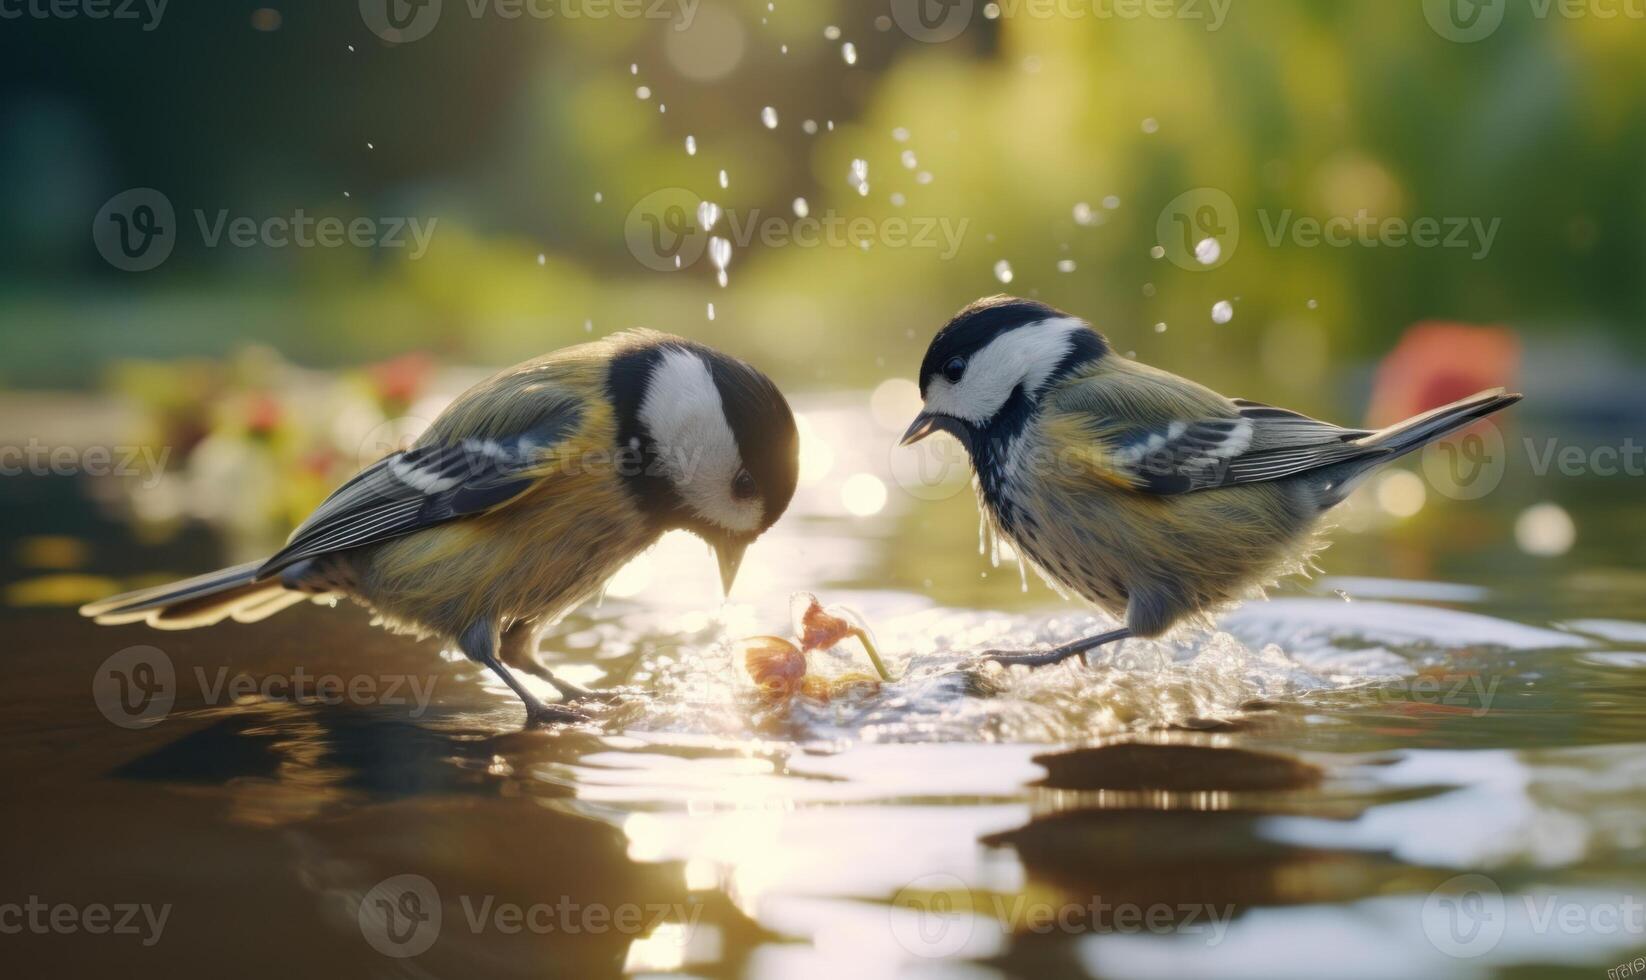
<point x="775" y="665"/>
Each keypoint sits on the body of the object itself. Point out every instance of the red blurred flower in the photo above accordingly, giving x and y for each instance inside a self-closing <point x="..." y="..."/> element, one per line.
<point x="397" y="381"/>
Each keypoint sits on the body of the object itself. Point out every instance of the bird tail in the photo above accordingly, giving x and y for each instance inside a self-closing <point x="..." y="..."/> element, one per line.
<point x="1417" y="432"/>
<point x="199" y="601"/>
<point x="1387" y="445"/>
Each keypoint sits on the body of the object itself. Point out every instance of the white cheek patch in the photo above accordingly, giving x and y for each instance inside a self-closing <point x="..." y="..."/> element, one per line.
<point x="1027" y="355"/>
<point x="683" y="413"/>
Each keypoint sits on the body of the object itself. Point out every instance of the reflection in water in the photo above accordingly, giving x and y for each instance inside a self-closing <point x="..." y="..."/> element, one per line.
<point x="1312" y="781"/>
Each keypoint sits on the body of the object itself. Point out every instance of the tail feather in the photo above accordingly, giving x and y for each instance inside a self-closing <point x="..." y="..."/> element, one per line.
<point x="199" y="601"/>
<point x="1388" y="445"/>
<point x="1417" y="432"/>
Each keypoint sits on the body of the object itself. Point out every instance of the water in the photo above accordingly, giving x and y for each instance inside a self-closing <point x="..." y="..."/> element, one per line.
<point x="1425" y="781"/>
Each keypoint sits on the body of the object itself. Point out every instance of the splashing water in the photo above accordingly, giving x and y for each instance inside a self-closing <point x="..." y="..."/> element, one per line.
<point x="1003" y="271"/>
<point x="1222" y="311"/>
<point x="801" y="209"/>
<point x="1065" y="265"/>
<point x="909" y="161"/>
<point x="1207" y="251"/>
<point x="859" y="176"/>
<point x="725" y="181"/>
<point x="768" y="117"/>
<point x="691" y="146"/>
<point x="848" y="53"/>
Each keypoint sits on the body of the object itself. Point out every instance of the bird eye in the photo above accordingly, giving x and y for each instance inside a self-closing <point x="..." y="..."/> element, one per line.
<point x="743" y="485"/>
<point x="954" y="369"/>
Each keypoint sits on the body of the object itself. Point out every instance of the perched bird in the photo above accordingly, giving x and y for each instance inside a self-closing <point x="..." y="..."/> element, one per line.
<point x="522" y="499"/>
<point x="1154" y="498"/>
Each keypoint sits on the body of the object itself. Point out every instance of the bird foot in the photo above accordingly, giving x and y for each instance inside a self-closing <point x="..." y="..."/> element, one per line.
<point x="1028" y="658"/>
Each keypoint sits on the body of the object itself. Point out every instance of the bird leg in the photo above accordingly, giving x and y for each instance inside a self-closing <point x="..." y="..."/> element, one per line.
<point x="479" y="642"/>
<point x="519" y="650"/>
<point x="1032" y="658"/>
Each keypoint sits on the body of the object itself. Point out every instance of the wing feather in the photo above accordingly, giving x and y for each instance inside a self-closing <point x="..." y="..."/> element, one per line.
<point x="1165" y="451"/>
<point x="428" y="485"/>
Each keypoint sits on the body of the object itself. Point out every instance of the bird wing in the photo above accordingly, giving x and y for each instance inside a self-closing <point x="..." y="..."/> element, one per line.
<point x="443" y="478"/>
<point x="1153" y="432"/>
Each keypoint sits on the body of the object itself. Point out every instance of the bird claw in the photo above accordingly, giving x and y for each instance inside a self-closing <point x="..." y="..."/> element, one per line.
<point x="544" y="715"/>
<point x="1025" y="658"/>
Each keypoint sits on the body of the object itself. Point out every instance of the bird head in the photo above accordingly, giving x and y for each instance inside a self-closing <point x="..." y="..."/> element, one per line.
<point x="719" y="454"/>
<point x="993" y="359"/>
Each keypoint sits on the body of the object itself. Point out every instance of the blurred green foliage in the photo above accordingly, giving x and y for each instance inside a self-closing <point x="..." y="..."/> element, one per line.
<point x="504" y="131"/>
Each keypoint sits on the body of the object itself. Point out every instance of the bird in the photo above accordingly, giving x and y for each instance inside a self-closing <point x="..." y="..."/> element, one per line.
<point x="1145" y="494"/>
<point x="521" y="499"/>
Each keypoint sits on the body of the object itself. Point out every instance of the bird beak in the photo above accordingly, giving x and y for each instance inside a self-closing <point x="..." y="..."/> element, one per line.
<point x="926" y="423"/>
<point x="730" y="554"/>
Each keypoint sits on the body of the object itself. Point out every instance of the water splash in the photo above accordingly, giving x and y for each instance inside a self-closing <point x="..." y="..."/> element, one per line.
<point x="768" y="117"/>
<point x="691" y="145"/>
<point x="848" y="53"/>
<point x="1222" y="311"/>
<point x="1003" y="271"/>
<point x="720" y="253"/>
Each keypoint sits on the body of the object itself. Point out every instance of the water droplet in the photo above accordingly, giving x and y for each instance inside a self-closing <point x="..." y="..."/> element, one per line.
<point x="900" y="134"/>
<point x="859" y="176"/>
<point x="1160" y="328"/>
<point x="923" y="177"/>
<point x="598" y="197"/>
<point x="1222" y="311"/>
<point x="541" y="258"/>
<point x="708" y="214"/>
<point x="351" y="47"/>
<point x="1314" y="304"/>
<point x="1151" y="126"/>
<point x="691" y="146"/>
<point x="991" y="11"/>
<point x="800" y="207"/>
<point x="909" y="161"/>
<point x="588" y="326"/>
<point x="634" y="69"/>
<point x="1065" y="265"/>
<point x="1111" y="202"/>
<point x="897" y="199"/>
<point x="768" y="116"/>
<point x="810" y="127"/>
<point x="711" y="311"/>
<point x="848" y="52"/>
<point x="1158" y="252"/>
<point x="720" y="253"/>
<point x="370" y="147"/>
<point x="643" y="92"/>
<point x="1082" y="213"/>
<point x="1003" y="271"/>
<point x="1207" y="251"/>
<point x="832" y="32"/>
<point x="725" y="182"/>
